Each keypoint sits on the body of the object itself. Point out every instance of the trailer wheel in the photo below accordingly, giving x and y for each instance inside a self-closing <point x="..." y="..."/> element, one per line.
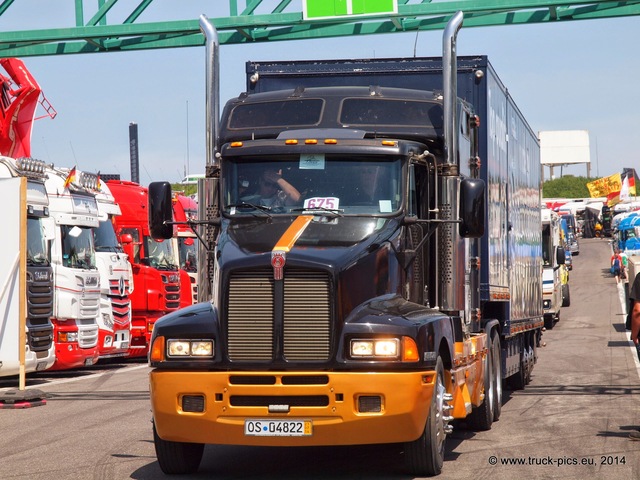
<point x="549" y="321"/>
<point x="481" y="417"/>
<point x="496" y="355"/>
<point x="177" y="457"/>
<point x="425" y="456"/>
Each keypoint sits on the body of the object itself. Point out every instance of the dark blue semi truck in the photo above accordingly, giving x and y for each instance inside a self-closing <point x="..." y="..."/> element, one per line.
<point x="371" y="262"/>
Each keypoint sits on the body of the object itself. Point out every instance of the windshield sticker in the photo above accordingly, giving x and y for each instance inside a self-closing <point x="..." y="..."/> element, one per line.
<point x="385" y="206"/>
<point x="313" y="161"/>
<point x="331" y="203"/>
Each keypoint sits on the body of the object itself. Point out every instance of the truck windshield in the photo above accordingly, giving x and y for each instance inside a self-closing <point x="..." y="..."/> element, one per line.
<point x="77" y="247"/>
<point x="343" y="184"/>
<point x="546" y="245"/>
<point x="36" y="243"/>
<point x="105" y="238"/>
<point x="160" y="254"/>
<point x="187" y="249"/>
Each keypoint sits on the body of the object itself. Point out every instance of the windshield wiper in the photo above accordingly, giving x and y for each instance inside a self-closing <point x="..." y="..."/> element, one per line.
<point x="251" y="206"/>
<point x="335" y="212"/>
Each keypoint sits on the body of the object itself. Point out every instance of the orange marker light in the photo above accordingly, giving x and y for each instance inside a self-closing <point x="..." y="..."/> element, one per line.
<point x="311" y="141"/>
<point x="157" y="350"/>
<point x="291" y="141"/>
<point x="236" y="144"/>
<point x="409" y="350"/>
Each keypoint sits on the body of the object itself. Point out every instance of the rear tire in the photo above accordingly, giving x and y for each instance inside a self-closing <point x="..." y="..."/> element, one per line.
<point x="177" y="457"/>
<point x="425" y="456"/>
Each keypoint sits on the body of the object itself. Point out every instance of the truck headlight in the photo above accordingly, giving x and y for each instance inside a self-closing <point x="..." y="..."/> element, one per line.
<point x="65" y="337"/>
<point x="190" y="348"/>
<point x="383" y="347"/>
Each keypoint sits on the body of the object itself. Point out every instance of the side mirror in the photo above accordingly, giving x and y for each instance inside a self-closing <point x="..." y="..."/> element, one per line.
<point x="560" y="256"/>
<point x="126" y="239"/>
<point x="160" y="210"/>
<point x="472" y="207"/>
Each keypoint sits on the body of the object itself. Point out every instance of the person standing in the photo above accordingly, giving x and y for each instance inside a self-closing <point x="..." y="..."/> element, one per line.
<point x="616" y="265"/>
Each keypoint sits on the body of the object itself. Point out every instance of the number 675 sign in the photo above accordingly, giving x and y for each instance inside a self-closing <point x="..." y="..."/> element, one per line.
<point x="331" y="203"/>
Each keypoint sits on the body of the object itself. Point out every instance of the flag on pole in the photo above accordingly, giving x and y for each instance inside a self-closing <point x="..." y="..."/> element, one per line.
<point x="624" y="190"/>
<point x="98" y="184"/>
<point x="71" y="177"/>
<point x="630" y="174"/>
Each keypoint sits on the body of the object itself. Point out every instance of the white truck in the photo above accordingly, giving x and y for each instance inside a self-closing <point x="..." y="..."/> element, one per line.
<point x="116" y="276"/>
<point x="76" y="277"/>
<point x="39" y="347"/>
<point x="553" y="255"/>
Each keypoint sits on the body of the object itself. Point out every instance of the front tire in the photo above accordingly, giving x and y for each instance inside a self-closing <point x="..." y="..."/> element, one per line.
<point x="481" y="417"/>
<point x="497" y="375"/>
<point x="425" y="456"/>
<point x="177" y="457"/>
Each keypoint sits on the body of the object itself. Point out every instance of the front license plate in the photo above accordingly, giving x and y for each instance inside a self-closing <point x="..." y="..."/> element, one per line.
<point x="278" y="428"/>
<point x="41" y="366"/>
<point x="88" y="362"/>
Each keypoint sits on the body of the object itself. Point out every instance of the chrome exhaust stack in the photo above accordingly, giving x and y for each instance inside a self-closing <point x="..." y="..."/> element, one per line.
<point x="208" y="187"/>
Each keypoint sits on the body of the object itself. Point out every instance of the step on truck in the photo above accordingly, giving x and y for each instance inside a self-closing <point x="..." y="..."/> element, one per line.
<point x="39" y="348"/>
<point x="116" y="275"/>
<point x="372" y="260"/>
<point x="154" y="263"/>
<point x="76" y="278"/>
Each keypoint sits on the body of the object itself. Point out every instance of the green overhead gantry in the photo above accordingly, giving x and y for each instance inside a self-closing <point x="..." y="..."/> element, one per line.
<point x="113" y="26"/>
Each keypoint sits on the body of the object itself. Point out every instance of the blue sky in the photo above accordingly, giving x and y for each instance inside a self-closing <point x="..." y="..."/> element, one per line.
<point x="580" y="75"/>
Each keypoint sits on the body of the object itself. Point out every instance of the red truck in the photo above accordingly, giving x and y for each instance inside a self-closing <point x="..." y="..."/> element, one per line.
<point x="186" y="209"/>
<point x="154" y="263"/>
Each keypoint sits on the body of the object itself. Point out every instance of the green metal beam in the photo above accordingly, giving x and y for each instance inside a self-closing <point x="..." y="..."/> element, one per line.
<point x="280" y="20"/>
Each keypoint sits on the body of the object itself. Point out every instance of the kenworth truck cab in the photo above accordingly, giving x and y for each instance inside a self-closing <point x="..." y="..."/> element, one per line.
<point x="371" y="266"/>
<point x="39" y="349"/>
<point x="76" y="278"/>
<point x="154" y="263"/>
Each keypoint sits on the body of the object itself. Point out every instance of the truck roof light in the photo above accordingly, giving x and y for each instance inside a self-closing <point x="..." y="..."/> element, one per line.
<point x="236" y="144"/>
<point x="389" y="143"/>
<point x="330" y="141"/>
<point x="291" y="141"/>
<point x="311" y="141"/>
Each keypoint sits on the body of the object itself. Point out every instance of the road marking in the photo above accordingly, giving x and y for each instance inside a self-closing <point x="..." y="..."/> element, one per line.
<point x="75" y="379"/>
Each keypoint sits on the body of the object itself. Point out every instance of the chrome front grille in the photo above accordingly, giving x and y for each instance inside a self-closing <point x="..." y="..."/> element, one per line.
<point x="306" y="316"/>
<point x="305" y="325"/>
<point x="250" y="316"/>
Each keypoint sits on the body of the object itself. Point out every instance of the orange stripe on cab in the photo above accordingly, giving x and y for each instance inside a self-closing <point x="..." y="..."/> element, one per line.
<point x="288" y="238"/>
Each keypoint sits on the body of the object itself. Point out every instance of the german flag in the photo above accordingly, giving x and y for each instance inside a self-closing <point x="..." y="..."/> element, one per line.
<point x="71" y="177"/>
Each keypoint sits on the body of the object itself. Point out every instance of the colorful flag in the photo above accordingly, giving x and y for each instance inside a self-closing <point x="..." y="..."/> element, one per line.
<point x="630" y="174"/>
<point x="624" y="190"/>
<point x="71" y="177"/>
<point x="603" y="187"/>
<point x="98" y="184"/>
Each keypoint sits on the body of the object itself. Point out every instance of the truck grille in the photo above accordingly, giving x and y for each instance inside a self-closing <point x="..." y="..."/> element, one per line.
<point x="305" y="323"/>
<point x="39" y="296"/>
<point x="172" y="295"/>
<point x="120" y="303"/>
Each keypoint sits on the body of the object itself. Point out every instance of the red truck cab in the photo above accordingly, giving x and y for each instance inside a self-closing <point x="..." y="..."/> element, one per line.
<point x="154" y="263"/>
